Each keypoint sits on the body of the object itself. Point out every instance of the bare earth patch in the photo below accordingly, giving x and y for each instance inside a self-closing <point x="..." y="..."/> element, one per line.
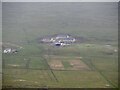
<point x="20" y="80"/>
<point x="13" y="65"/>
<point x="74" y="65"/>
<point x="56" y="64"/>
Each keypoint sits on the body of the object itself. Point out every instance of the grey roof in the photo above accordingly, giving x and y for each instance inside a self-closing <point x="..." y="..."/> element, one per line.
<point x="68" y="38"/>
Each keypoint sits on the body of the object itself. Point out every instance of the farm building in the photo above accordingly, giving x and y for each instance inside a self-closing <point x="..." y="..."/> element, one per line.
<point x="68" y="40"/>
<point x="9" y="50"/>
<point x="59" y="39"/>
<point x="60" y="36"/>
<point x="57" y="44"/>
<point x="46" y="40"/>
<point x="60" y="44"/>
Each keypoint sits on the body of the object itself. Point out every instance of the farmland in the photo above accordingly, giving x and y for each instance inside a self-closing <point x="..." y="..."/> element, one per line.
<point x="90" y="64"/>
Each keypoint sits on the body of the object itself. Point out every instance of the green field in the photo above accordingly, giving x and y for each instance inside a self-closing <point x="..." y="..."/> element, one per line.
<point x="32" y="65"/>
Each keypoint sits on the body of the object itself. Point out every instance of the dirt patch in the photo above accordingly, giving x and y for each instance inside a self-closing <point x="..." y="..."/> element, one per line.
<point x="13" y="65"/>
<point x="20" y="80"/>
<point x="56" y="64"/>
<point x="55" y="57"/>
<point x="73" y="65"/>
<point x="78" y="65"/>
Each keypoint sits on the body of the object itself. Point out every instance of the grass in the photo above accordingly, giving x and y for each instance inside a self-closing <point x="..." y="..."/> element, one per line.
<point x="38" y="62"/>
<point x="79" y="79"/>
<point x="105" y="64"/>
<point x="66" y="64"/>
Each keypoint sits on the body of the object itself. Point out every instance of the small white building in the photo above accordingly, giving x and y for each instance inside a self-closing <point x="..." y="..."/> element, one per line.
<point x="8" y="50"/>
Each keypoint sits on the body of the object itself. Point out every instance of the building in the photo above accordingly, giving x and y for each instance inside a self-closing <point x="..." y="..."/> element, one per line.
<point x="7" y="50"/>
<point x="47" y="40"/>
<point x="60" y="36"/>
<point x="59" y="39"/>
<point x="57" y="44"/>
<point x="68" y="40"/>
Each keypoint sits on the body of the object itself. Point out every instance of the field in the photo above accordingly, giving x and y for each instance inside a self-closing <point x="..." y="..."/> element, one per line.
<point x="90" y="64"/>
<point x="69" y="69"/>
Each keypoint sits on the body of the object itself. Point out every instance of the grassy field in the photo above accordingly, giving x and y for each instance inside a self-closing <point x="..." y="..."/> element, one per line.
<point x="90" y="64"/>
<point x="31" y="69"/>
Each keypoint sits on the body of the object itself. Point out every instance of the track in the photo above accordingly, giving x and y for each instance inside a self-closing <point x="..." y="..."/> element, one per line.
<point x="51" y="70"/>
<point x="28" y="42"/>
